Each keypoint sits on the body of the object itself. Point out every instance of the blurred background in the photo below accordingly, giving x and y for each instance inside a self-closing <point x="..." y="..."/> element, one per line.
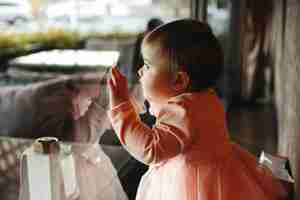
<point x="44" y="40"/>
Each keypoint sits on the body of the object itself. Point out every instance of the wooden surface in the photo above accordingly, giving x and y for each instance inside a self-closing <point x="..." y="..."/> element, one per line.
<point x="286" y="59"/>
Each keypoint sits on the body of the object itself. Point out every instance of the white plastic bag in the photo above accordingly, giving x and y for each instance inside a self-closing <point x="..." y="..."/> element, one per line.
<point x="47" y="172"/>
<point x="68" y="172"/>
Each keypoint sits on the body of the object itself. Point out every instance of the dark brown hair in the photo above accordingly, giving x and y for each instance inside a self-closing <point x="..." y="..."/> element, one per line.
<point x="190" y="45"/>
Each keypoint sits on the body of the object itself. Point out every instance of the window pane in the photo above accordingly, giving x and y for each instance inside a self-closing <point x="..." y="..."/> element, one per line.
<point x="218" y="16"/>
<point x="47" y="39"/>
<point x="87" y="15"/>
<point x="27" y="26"/>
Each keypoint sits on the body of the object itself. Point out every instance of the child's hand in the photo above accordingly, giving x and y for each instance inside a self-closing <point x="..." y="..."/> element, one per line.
<point x="80" y="106"/>
<point x="118" y="88"/>
<point x="81" y="90"/>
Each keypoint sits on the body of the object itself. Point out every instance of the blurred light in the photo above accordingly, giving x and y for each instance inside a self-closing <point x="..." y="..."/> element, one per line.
<point x="70" y="58"/>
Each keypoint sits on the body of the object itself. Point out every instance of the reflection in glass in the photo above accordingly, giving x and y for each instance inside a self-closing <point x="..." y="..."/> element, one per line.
<point x="86" y="170"/>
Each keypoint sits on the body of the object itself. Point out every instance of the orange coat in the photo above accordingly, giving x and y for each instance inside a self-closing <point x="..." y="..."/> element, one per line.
<point x="190" y="153"/>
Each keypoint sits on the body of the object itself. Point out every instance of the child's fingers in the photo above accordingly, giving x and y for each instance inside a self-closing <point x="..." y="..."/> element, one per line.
<point x="111" y="85"/>
<point x="117" y="73"/>
<point x="113" y="77"/>
<point x="118" y="79"/>
<point x="114" y="71"/>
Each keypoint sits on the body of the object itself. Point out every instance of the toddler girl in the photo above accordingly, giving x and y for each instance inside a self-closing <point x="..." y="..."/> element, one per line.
<point x="188" y="150"/>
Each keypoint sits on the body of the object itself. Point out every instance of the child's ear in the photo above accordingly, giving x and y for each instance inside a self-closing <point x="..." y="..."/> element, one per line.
<point x="182" y="81"/>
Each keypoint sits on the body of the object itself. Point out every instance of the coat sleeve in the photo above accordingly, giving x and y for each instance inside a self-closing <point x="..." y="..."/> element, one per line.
<point x="169" y="137"/>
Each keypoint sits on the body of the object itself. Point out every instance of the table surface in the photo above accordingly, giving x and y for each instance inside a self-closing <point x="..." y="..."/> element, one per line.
<point x="68" y="58"/>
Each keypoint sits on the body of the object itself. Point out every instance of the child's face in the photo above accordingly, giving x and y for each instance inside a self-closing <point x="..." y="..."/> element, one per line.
<point x="155" y="76"/>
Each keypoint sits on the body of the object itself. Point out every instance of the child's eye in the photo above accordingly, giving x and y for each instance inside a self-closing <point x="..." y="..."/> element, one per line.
<point x="146" y="66"/>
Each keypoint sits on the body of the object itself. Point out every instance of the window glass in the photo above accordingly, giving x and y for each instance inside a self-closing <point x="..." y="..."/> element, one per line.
<point x="29" y="26"/>
<point x="218" y="16"/>
<point x="43" y="43"/>
<point x="86" y="16"/>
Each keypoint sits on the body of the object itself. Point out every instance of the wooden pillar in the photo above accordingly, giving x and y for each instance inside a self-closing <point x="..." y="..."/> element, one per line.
<point x="199" y="9"/>
<point x="286" y="57"/>
<point x="194" y="9"/>
<point x="203" y="7"/>
<point x="255" y="19"/>
<point x="233" y="62"/>
<point x="284" y="52"/>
